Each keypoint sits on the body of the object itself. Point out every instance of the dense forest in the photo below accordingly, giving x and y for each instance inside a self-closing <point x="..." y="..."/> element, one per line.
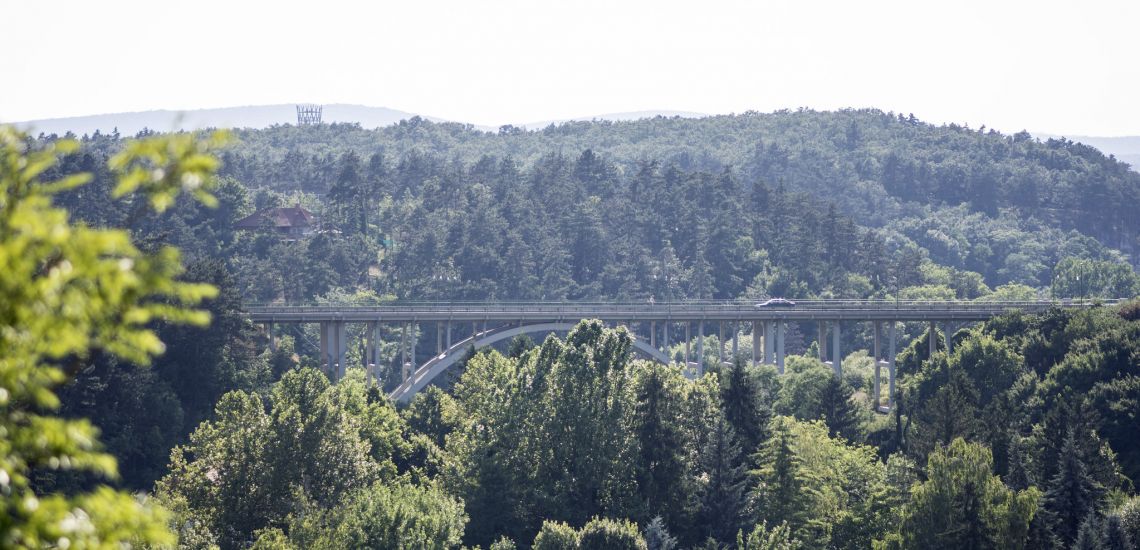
<point x="1023" y="437"/>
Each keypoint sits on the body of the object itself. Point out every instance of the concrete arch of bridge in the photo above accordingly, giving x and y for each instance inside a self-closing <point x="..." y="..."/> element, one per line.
<point x="439" y="364"/>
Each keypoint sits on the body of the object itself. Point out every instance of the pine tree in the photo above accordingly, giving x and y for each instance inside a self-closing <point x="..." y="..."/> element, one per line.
<point x="657" y="536"/>
<point x="347" y="196"/>
<point x="780" y="489"/>
<point x="1041" y="536"/>
<point x="1129" y="515"/>
<point x="1088" y="536"/>
<point x="842" y="416"/>
<point x="1113" y="534"/>
<point x="1072" y="493"/>
<point x="1019" y="473"/>
<point x="661" y="468"/>
<point x="744" y="407"/>
<point x="722" y="497"/>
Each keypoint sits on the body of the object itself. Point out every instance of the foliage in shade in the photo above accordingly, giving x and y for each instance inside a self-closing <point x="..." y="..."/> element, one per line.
<point x="722" y="490"/>
<point x="747" y="402"/>
<point x="1073" y="495"/>
<point x="69" y="290"/>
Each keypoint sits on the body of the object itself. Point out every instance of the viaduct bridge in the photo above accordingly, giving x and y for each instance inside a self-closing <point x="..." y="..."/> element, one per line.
<point x="492" y="322"/>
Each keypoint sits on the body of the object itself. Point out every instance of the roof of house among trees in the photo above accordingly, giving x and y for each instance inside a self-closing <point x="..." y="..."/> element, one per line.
<point x="292" y="216"/>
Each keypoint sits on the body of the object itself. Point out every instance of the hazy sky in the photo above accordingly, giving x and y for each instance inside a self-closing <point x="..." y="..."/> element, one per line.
<point x="1060" y="67"/>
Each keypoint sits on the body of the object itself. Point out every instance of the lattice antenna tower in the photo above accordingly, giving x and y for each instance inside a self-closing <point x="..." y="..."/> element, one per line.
<point x="308" y="114"/>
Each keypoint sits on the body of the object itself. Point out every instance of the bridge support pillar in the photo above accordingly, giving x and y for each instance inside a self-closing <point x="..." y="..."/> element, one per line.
<point x="780" y="346"/>
<point x="404" y="352"/>
<point x="272" y="338"/>
<point x="366" y="357"/>
<point x="755" y="342"/>
<point x="836" y="352"/>
<point x="333" y="348"/>
<point x="891" y="338"/>
<point x="876" y="352"/>
<point x="323" y="329"/>
<point x="701" y="347"/>
<point x="688" y="344"/>
<point x="341" y="350"/>
<point x="950" y="328"/>
<point x="720" y="343"/>
<point x="822" y="339"/>
<point x="933" y="340"/>
<point x="735" y="340"/>
<point x="449" y="335"/>
<point x="653" y="334"/>
<point x="372" y="351"/>
<point x="665" y="335"/>
<point x="412" y="354"/>
<point x="769" y="342"/>
<point x="438" y="338"/>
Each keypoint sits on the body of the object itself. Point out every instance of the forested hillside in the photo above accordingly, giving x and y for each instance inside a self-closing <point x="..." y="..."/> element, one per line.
<point x="1023" y="437"/>
<point x="800" y="204"/>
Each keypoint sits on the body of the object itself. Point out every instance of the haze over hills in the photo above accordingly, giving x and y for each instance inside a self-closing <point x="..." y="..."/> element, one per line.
<point x="1125" y="148"/>
<point x="631" y="115"/>
<point x="250" y="116"/>
<point x="264" y="116"/>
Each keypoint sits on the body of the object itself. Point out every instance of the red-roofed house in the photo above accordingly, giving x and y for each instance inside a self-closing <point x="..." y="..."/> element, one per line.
<point x="291" y="222"/>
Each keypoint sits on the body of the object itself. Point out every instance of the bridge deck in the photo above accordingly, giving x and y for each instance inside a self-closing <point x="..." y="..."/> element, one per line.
<point x="864" y="310"/>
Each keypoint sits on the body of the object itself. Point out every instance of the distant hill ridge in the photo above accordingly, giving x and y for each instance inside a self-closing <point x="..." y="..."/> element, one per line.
<point x="1124" y="148"/>
<point x="251" y="116"/>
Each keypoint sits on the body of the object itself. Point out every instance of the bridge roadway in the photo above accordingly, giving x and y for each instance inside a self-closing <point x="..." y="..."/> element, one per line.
<point x="507" y="319"/>
<point x="806" y="310"/>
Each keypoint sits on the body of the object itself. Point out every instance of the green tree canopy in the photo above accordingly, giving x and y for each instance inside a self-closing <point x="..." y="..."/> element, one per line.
<point x="69" y="291"/>
<point x="963" y="505"/>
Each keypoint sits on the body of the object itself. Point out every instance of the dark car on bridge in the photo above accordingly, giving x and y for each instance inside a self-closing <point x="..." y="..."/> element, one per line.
<point x="777" y="302"/>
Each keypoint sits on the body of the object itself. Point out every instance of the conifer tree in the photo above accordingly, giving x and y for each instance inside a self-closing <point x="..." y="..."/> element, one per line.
<point x="661" y="468"/>
<point x="1088" y="536"/>
<point x="723" y="499"/>
<point x="842" y="416"/>
<point x="744" y="407"/>
<point x="1113" y="535"/>
<point x="1129" y="515"/>
<point x="780" y="487"/>
<point x="1041" y="535"/>
<point x="657" y="536"/>
<point x="1072" y="494"/>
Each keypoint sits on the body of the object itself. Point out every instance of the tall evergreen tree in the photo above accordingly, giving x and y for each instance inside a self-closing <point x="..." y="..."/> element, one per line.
<point x="745" y="407"/>
<point x="657" y="536"/>
<point x="1072" y="494"/>
<point x="722" y="496"/>
<point x="661" y="468"/>
<point x="1089" y="535"/>
<point x="842" y="416"/>
<point x="1114" y="536"/>
<point x="780" y="486"/>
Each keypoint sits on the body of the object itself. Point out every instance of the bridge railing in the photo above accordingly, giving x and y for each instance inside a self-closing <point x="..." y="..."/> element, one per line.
<point x="570" y="307"/>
